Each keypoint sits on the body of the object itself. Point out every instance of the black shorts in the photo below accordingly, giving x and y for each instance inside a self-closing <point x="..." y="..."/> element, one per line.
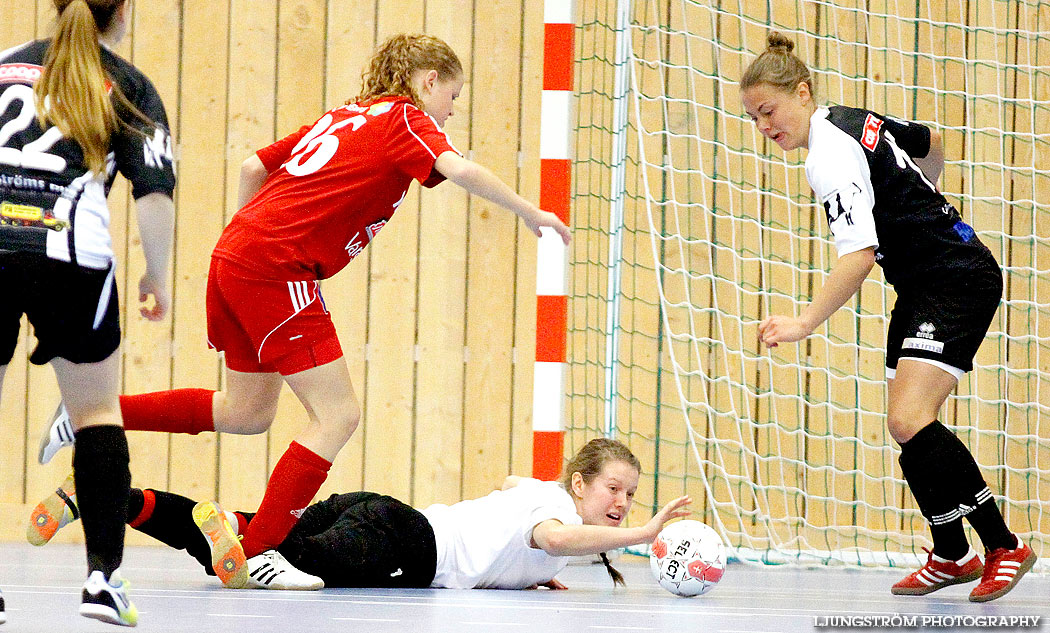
<point x="945" y="323"/>
<point x="363" y="539"/>
<point x="73" y="310"/>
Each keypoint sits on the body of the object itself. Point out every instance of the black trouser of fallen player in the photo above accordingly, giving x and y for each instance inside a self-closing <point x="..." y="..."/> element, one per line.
<point x="363" y="539"/>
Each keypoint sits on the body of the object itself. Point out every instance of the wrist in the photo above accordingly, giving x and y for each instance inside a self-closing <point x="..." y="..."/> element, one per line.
<point x="808" y="320"/>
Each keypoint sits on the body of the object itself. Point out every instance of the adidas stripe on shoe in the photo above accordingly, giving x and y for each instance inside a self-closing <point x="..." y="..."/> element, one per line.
<point x="227" y="555"/>
<point x="1003" y="568"/>
<point x="271" y="570"/>
<point x="107" y="601"/>
<point x="59" y="435"/>
<point x="56" y="511"/>
<point x="939" y="573"/>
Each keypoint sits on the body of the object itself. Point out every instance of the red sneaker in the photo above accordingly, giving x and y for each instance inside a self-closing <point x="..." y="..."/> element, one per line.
<point x="938" y="573"/>
<point x="1002" y="569"/>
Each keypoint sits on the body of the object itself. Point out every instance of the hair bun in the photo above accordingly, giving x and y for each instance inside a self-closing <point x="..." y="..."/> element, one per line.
<point x="775" y="40"/>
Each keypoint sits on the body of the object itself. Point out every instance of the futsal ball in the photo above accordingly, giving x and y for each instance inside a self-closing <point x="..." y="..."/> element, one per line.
<point x="688" y="558"/>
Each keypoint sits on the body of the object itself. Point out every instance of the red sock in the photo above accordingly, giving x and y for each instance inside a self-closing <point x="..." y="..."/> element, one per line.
<point x="149" y="502"/>
<point x="175" y="411"/>
<point x="294" y="482"/>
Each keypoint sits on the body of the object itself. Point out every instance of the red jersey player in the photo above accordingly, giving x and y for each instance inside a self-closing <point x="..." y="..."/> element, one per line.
<point x="310" y="203"/>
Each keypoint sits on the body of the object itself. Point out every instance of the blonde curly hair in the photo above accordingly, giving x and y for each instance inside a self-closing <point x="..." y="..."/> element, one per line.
<point x="390" y="70"/>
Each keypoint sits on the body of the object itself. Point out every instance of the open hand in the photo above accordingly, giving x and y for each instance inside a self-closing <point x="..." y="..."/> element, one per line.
<point x="673" y="510"/>
<point x="545" y="218"/>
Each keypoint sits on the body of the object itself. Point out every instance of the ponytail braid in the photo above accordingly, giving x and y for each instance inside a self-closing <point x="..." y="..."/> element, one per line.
<point x="616" y="576"/>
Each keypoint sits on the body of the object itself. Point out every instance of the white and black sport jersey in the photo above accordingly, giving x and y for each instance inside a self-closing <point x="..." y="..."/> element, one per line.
<point x="860" y="167"/>
<point x="50" y="202"/>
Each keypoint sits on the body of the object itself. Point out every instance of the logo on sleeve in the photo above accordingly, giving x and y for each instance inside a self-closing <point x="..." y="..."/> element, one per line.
<point x="839" y="204"/>
<point x="28" y="73"/>
<point x="156" y="149"/>
<point x="870" y="137"/>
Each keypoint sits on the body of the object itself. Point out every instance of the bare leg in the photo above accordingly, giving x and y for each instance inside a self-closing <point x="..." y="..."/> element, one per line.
<point x="328" y="396"/>
<point x="916" y="396"/>
<point x="248" y="403"/>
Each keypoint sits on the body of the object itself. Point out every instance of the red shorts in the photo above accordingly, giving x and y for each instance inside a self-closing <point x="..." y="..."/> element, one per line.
<point x="268" y="326"/>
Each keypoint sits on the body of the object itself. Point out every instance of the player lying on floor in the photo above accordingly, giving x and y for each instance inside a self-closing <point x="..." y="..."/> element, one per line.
<point x="515" y="538"/>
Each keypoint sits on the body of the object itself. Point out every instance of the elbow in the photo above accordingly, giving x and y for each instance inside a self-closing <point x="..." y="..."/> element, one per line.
<point x="253" y="168"/>
<point x="463" y="172"/>
<point x="556" y="543"/>
<point x="936" y="143"/>
<point x="866" y="260"/>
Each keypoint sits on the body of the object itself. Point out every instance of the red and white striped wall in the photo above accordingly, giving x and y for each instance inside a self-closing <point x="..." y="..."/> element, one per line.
<point x="551" y="264"/>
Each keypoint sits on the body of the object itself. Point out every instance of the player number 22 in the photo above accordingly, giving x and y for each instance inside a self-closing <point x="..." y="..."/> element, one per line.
<point x="33" y="155"/>
<point x="314" y="150"/>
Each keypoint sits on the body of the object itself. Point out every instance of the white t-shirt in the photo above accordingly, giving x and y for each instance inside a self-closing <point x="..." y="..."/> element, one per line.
<point x="486" y="543"/>
<point x="838" y="171"/>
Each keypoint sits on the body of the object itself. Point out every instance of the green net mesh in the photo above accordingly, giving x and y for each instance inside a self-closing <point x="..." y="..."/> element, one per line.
<point x="785" y="451"/>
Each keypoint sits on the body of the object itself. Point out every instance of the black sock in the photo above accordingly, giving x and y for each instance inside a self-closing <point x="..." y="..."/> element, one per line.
<point x="171" y="523"/>
<point x="925" y="459"/>
<point x="103" y="481"/>
<point x="136" y="501"/>
<point x="978" y="504"/>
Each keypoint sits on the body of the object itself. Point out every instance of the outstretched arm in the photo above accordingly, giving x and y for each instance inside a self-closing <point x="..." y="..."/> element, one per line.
<point x="479" y="181"/>
<point x="558" y="539"/>
<point x="844" y="281"/>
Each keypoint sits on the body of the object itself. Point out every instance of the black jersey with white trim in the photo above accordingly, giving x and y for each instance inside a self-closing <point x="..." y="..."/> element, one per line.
<point x="50" y="202"/>
<point x="861" y="167"/>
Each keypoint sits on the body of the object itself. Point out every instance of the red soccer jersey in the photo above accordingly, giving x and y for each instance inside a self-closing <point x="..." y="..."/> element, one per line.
<point x="332" y="186"/>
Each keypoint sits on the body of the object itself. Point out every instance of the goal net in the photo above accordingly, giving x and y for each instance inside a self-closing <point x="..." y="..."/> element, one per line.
<point x="690" y="228"/>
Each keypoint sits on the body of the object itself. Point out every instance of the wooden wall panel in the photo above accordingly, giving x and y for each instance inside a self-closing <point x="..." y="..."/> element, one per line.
<point x="437" y="469"/>
<point x="528" y="185"/>
<point x="393" y="305"/>
<point x="202" y="108"/>
<point x="236" y="75"/>
<point x="147" y="345"/>
<point x="491" y="244"/>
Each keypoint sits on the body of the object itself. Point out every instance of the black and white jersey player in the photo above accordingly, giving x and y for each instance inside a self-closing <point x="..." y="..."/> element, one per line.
<point x="876" y="178"/>
<point x="51" y="203"/>
<point x="861" y="167"/>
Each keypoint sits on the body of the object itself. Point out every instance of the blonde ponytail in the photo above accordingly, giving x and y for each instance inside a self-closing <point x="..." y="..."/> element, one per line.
<point x="72" y="94"/>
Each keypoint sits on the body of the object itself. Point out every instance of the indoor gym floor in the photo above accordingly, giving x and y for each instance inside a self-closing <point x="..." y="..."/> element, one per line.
<point x="42" y="587"/>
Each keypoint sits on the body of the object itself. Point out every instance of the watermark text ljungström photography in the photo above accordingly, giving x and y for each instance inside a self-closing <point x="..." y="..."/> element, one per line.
<point x="907" y="621"/>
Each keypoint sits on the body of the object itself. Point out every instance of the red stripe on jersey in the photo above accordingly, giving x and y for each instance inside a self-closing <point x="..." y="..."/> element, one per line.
<point x="558" y="56"/>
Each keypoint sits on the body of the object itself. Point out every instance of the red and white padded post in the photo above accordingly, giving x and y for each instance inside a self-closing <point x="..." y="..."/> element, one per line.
<point x="551" y="300"/>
